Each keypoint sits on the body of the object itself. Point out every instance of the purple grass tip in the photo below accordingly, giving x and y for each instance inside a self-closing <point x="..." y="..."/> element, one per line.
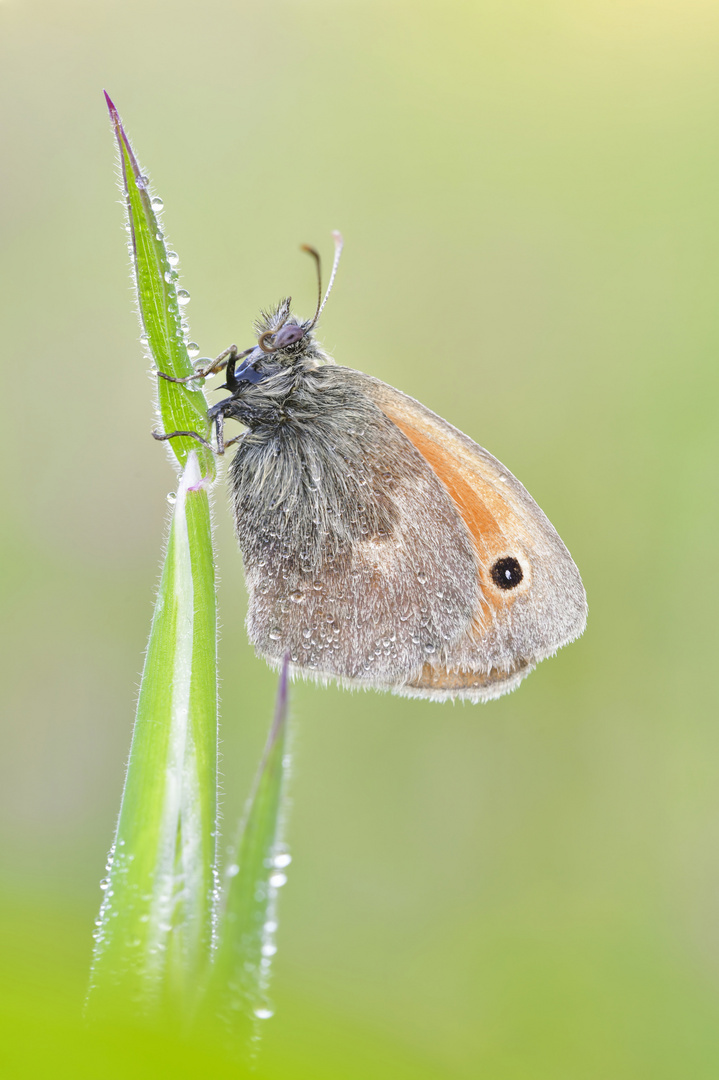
<point x="282" y="698"/>
<point x="110" y="104"/>
<point x="124" y="141"/>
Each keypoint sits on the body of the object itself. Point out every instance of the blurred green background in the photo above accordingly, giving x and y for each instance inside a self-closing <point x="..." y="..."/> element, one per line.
<point x="529" y="193"/>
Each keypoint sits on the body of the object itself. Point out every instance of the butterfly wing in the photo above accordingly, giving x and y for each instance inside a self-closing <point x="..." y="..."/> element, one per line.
<point x="370" y="529"/>
<point x="531" y="597"/>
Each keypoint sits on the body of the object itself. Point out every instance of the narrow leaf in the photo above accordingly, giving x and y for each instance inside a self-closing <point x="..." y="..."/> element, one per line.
<point x="255" y="872"/>
<point x="155" y="926"/>
<point x="155" y="922"/>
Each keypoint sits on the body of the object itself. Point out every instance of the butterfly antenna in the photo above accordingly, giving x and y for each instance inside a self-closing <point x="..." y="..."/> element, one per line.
<point x="318" y="263"/>
<point x="339" y="244"/>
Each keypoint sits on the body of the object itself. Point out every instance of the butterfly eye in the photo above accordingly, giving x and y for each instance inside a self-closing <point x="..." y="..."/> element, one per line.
<point x="507" y="573"/>
<point x="288" y="335"/>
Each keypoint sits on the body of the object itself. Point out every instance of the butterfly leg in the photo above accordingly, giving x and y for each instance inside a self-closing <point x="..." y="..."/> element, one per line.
<point x="216" y="416"/>
<point x="160" y="436"/>
<point x="229" y="355"/>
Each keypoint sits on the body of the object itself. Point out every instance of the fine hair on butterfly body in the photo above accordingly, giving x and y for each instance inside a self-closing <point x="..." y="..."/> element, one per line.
<point x="382" y="547"/>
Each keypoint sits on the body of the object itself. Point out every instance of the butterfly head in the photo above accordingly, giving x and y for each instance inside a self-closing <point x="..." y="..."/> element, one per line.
<point x="282" y="337"/>
<point x="283" y="341"/>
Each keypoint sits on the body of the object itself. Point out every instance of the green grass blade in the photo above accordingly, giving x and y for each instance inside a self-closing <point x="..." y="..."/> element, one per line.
<point x="155" y="927"/>
<point x="155" y="922"/>
<point x="182" y="407"/>
<point x="255" y="872"/>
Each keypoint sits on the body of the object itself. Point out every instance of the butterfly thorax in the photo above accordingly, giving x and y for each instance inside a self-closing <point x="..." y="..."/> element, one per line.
<point x="307" y="470"/>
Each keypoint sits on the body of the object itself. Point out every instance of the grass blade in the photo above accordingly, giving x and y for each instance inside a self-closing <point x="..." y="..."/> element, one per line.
<point x="154" y="932"/>
<point x="156" y="917"/>
<point x="182" y="407"/>
<point x="255" y="872"/>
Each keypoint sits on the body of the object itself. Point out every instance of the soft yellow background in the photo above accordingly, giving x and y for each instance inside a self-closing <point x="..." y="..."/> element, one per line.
<point x="529" y="192"/>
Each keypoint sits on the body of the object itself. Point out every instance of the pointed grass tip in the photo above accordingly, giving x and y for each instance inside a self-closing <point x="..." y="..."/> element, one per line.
<point x="281" y="702"/>
<point x="111" y="107"/>
<point x="124" y="141"/>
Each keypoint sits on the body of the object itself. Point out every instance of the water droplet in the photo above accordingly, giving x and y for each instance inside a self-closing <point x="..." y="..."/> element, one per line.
<point x="317" y="586"/>
<point x="330" y="618"/>
<point x="270" y="926"/>
<point x="170" y="276"/>
<point x="429" y="648"/>
<point x="282" y="859"/>
<point x="264" y="1014"/>
<point x="156" y="202"/>
<point x="269" y="949"/>
<point x="142" y="182"/>
<point x="233" y="870"/>
<point x="278" y="880"/>
<point x="183" y="297"/>
<point x="159" y="236"/>
<point x="275" y="633"/>
<point x="172" y="497"/>
<point x="297" y="597"/>
<point x="173" y="258"/>
<point x="105" y="883"/>
<point x="193" y="349"/>
<point x="143" y="339"/>
<point x="306" y="632"/>
<point x="422" y="578"/>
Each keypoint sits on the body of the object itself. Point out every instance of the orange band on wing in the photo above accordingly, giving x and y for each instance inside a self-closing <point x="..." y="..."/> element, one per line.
<point x="481" y="523"/>
<point x="433" y="678"/>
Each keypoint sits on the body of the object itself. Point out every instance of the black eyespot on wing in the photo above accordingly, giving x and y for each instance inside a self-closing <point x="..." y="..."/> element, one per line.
<point x="506" y="573"/>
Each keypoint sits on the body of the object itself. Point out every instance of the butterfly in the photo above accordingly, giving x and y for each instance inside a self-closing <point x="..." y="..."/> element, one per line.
<point x="382" y="547"/>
